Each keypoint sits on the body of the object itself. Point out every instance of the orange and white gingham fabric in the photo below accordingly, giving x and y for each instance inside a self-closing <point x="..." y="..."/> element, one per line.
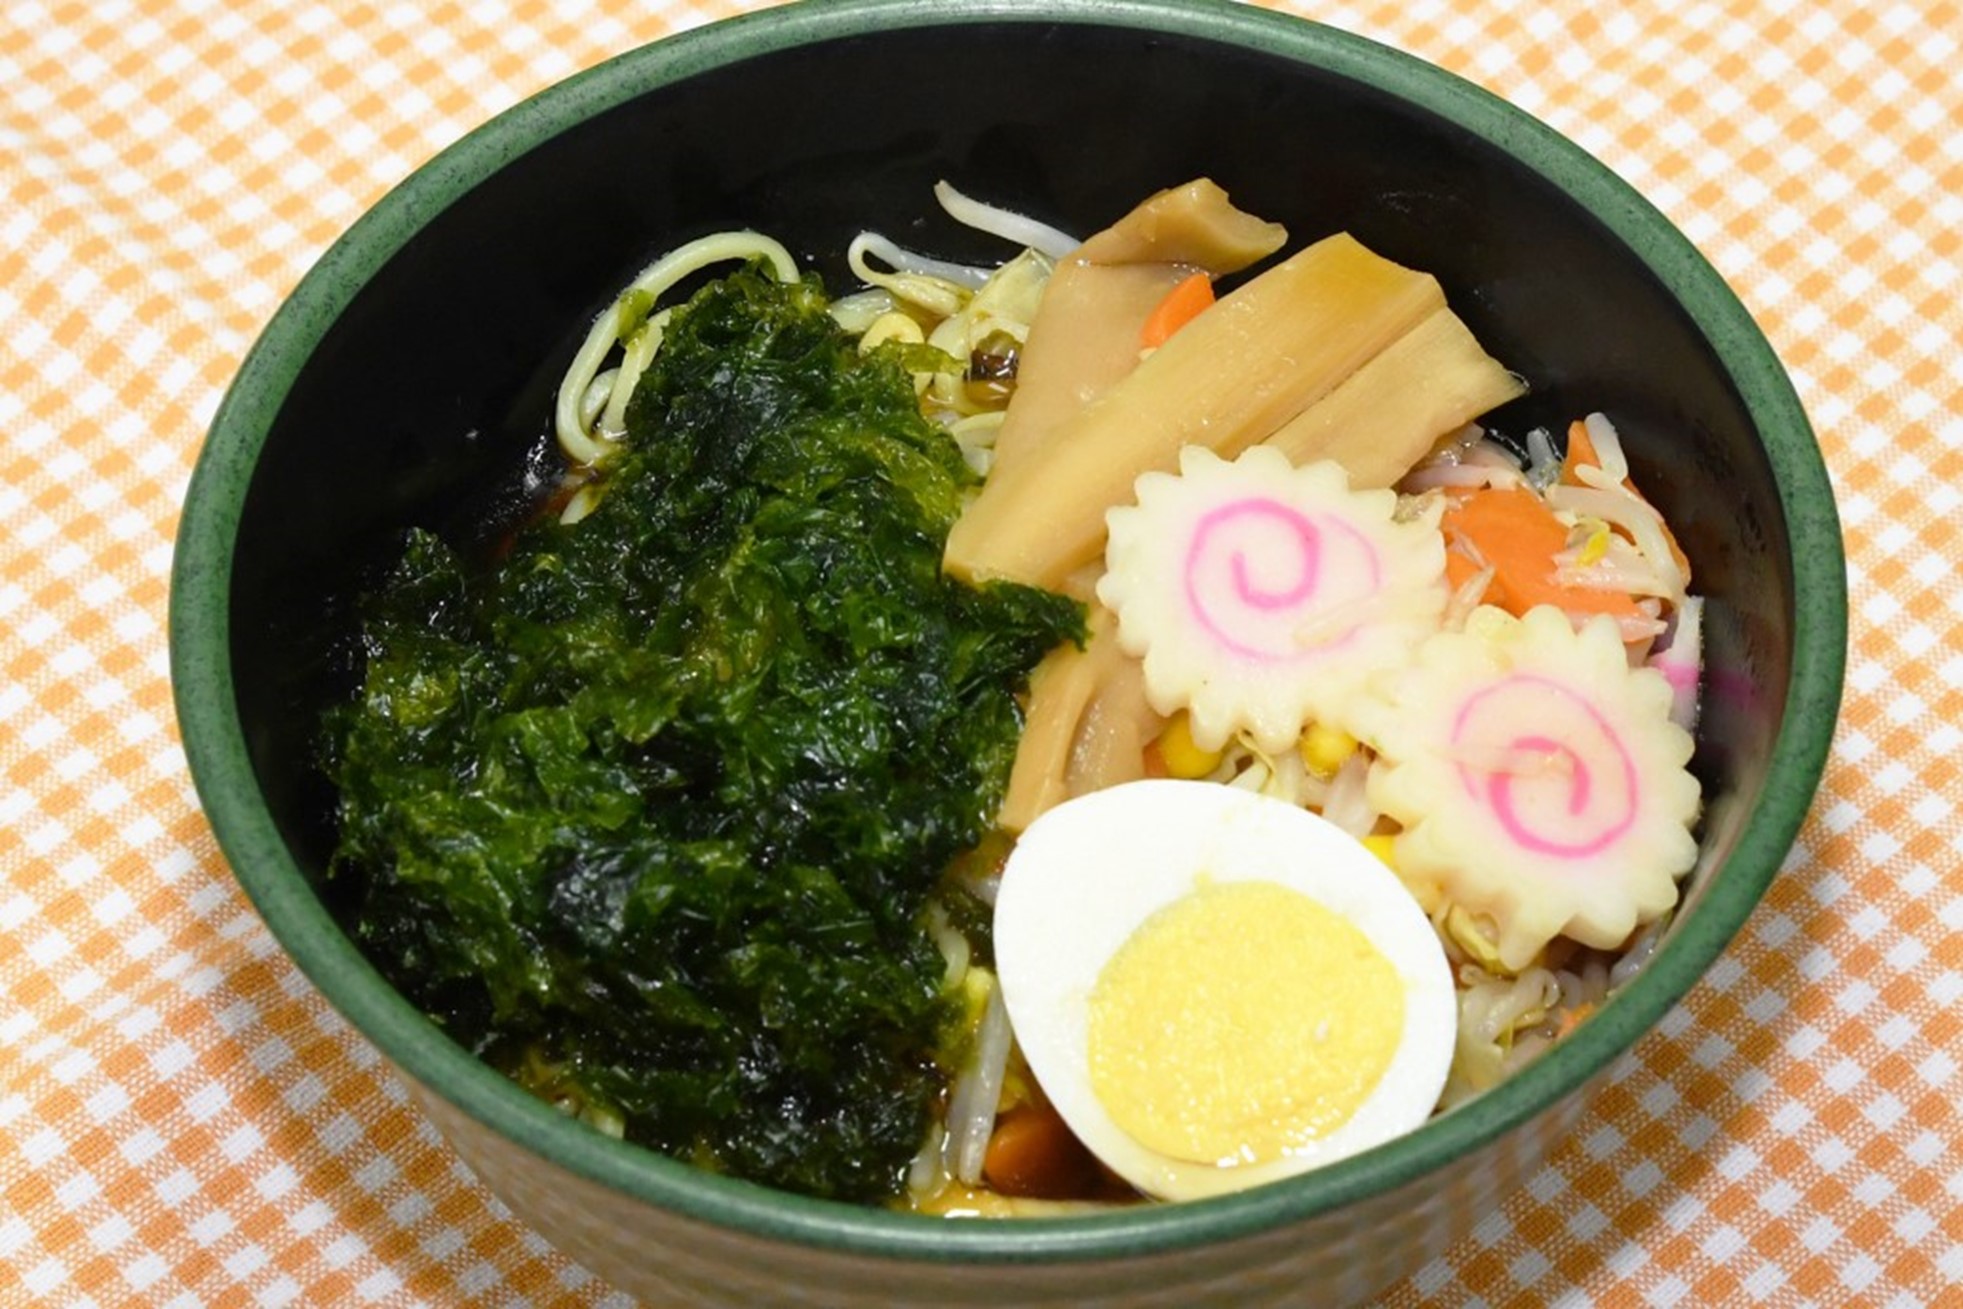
<point x="183" y="1121"/>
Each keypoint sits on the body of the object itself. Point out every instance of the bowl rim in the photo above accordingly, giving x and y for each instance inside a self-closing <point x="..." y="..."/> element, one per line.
<point x="221" y="768"/>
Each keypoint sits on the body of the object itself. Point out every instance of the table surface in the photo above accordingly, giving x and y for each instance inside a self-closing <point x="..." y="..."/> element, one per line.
<point x="183" y="1120"/>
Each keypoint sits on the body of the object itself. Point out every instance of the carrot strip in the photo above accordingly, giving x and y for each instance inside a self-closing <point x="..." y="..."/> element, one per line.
<point x="1581" y="454"/>
<point x="1515" y="532"/>
<point x="1033" y="1153"/>
<point x="1181" y="306"/>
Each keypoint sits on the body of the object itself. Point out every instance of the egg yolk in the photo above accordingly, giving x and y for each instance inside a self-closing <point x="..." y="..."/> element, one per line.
<point x="1241" y="1023"/>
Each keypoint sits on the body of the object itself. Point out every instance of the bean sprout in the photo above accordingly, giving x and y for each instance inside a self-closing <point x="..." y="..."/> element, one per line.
<point x="933" y="284"/>
<point x="1608" y="451"/>
<point x="1642" y="523"/>
<point x="1543" y="464"/>
<point x="977" y="1093"/>
<point x="627" y="318"/>
<point x="1015" y="228"/>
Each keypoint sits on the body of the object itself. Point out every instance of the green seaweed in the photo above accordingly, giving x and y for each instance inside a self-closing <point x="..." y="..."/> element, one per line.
<point x="657" y="803"/>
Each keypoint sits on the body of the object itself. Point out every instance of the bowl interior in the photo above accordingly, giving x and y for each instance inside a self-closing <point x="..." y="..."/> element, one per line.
<point x="410" y="380"/>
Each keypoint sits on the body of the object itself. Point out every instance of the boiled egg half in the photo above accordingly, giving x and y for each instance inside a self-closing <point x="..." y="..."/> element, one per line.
<point x="1217" y="989"/>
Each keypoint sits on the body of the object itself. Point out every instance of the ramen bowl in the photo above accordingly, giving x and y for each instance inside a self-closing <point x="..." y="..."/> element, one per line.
<point x="408" y="381"/>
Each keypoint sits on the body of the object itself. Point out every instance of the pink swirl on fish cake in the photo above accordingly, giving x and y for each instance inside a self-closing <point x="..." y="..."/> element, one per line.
<point x="1240" y="597"/>
<point x="1495" y="788"/>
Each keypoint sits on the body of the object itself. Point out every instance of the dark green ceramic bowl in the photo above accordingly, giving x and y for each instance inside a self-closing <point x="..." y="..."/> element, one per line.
<point x="407" y="381"/>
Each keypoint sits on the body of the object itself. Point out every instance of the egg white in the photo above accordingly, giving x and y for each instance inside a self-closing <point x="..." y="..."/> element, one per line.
<point x="1086" y="874"/>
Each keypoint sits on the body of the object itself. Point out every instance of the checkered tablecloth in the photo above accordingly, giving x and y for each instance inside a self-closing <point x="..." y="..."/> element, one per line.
<point x="183" y="1121"/>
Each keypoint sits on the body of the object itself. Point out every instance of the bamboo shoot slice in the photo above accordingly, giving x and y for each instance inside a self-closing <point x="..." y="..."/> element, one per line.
<point x="1230" y="378"/>
<point x="1118" y="723"/>
<point x="1084" y="339"/>
<point x="1086" y="727"/>
<point x="1388" y="413"/>
<point x="1194" y="224"/>
<point x="1085" y="334"/>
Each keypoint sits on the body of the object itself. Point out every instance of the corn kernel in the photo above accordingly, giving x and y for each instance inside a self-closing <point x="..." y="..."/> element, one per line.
<point x="1324" y="749"/>
<point x="1382" y="846"/>
<point x="1182" y="757"/>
